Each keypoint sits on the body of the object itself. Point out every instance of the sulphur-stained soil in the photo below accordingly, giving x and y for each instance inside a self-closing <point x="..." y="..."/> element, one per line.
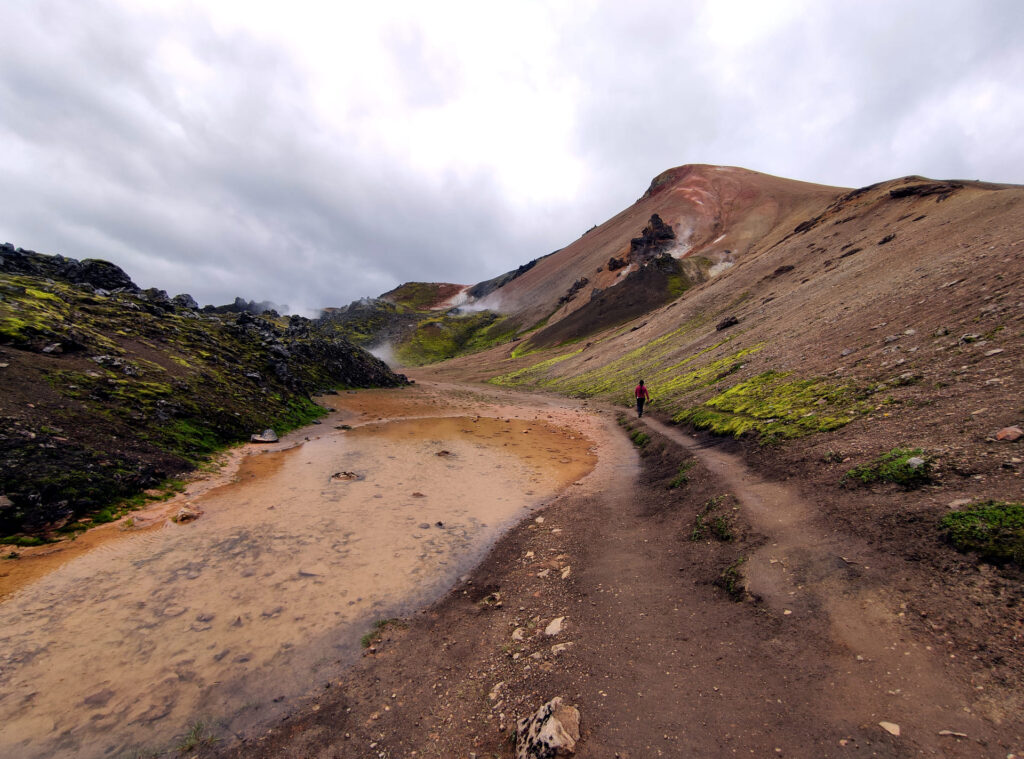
<point x="709" y="605"/>
<point x="128" y="647"/>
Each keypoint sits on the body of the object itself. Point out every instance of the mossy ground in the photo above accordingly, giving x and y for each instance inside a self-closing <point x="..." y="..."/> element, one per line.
<point x="138" y="389"/>
<point x="908" y="467"/>
<point x="774" y="406"/>
<point x="992" y="529"/>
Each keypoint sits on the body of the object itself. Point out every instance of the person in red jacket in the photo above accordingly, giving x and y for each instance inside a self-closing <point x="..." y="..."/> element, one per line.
<point x="641" y="396"/>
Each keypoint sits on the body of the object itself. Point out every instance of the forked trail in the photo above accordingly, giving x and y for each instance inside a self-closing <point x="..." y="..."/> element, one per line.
<point x="808" y="574"/>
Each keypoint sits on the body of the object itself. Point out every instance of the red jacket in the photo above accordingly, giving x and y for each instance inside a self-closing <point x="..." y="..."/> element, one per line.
<point x="641" y="392"/>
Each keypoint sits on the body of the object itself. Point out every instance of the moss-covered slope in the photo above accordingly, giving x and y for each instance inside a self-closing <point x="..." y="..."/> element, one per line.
<point x="106" y="390"/>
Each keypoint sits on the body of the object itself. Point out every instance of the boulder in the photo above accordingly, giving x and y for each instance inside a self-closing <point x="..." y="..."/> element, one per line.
<point x="551" y="731"/>
<point x="186" y="514"/>
<point x="184" y="300"/>
<point x="267" y="436"/>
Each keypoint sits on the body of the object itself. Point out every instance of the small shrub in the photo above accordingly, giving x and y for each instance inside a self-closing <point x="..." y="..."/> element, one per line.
<point x="721" y="529"/>
<point x="992" y="529"/>
<point x="682" y="477"/>
<point x="895" y="466"/>
<point x="639" y="438"/>
<point x="200" y="734"/>
<point x="731" y="580"/>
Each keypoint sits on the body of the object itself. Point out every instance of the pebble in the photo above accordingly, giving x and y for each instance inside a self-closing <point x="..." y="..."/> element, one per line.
<point x="1010" y="434"/>
<point x="890" y="727"/>
<point x="555" y="626"/>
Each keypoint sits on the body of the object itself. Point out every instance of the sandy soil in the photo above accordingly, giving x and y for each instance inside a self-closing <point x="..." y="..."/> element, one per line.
<point x="806" y="654"/>
<point x="125" y="646"/>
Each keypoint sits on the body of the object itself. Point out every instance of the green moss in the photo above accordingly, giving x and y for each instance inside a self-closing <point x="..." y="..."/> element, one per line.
<point x="443" y="337"/>
<point x="415" y="295"/>
<point x="894" y="466"/>
<point x="22" y="541"/>
<point x="775" y="408"/>
<point x="640" y="439"/>
<point x="992" y="529"/>
<point x="529" y="375"/>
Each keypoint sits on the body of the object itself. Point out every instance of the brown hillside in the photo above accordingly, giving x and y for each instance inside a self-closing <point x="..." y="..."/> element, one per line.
<point x="717" y="212"/>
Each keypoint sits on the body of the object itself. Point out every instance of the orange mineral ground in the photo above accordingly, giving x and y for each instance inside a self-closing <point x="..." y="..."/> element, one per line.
<point x="268" y="593"/>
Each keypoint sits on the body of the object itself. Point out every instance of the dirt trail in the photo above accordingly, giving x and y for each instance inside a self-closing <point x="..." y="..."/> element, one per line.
<point x="655" y="654"/>
<point x="878" y="670"/>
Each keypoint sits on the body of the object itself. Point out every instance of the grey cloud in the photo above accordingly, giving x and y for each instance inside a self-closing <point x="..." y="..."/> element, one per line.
<point x="234" y="187"/>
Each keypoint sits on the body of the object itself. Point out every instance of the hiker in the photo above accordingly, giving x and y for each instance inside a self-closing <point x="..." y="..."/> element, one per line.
<point x="641" y="396"/>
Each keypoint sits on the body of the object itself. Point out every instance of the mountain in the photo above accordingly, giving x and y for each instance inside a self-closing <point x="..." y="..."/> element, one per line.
<point x="107" y="390"/>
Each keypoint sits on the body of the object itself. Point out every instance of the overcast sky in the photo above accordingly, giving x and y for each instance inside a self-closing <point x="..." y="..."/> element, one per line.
<point x="311" y="155"/>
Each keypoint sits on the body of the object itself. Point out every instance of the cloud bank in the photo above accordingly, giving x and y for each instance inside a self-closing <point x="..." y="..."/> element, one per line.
<point x="312" y="156"/>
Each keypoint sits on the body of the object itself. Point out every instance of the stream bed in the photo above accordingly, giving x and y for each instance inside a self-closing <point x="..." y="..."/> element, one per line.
<point x="228" y="619"/>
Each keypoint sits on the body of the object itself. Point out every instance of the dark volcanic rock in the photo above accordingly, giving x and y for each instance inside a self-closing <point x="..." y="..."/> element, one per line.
<point x="655" y="239"/>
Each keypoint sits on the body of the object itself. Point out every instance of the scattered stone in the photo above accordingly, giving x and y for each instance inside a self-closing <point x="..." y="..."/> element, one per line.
<point x="953" y="733"/>
<point x="543" y="573"/>
<point x="186" y="514"/>
<point x="519" y="634"/>
<point x="566" y="571"/>
<point x="551" y="731"/>
<point x="267" y="436"/>
<point x="438" y="524"/>
<point x="53" y="348"/>
<point x="554" y="626"/>
<point x="1009" y="434"/>
<point x="496" y="691"/>
<point x="174" y="611"/>
<point x="892" y="338"/>
<point x="846" y="352"/>
<point x="729" y="321"/>
<point x="915" y="462"/>
<point x="5" y="502"/>
<point x="561" y="648"/>
<point x="993" y="352"/>
<point x="539" y="520"/>
<point x="312" y="572"/>
<point x="890" y="727"/>
<point x="959" y="502"/>
<point x="418" y="494"/>
<point x="424" y="525"/>
<point x="444" y="453"/>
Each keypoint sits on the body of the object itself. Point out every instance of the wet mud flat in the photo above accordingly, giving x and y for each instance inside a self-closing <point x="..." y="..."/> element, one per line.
<point x="265" y="597"/>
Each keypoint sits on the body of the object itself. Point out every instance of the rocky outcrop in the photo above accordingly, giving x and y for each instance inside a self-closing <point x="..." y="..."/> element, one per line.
<point x="113" y="389"/>
<point x="656" y="238"/>
<point x="93" y="272"/>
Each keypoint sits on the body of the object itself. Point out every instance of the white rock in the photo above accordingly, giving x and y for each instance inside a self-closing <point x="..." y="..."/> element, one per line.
<point x="519" y="633"/>
<point x="555" y="626"/>
<point x="561" y="648"/>
<point x="552" y="730"/>
<point x="495" y="691"/>
<point x="566" y="571"/>
<point x="890" y="727"/>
